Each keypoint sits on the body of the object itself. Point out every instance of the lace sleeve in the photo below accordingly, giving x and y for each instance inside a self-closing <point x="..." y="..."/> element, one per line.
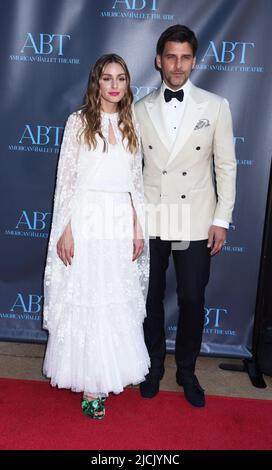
<point x="66" y="175"/>
<point x="138" y="203"/>
<point x="63" y="205"/>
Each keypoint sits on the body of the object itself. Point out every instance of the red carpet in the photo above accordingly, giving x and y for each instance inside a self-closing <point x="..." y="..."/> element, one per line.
<point x="36" y="416"/>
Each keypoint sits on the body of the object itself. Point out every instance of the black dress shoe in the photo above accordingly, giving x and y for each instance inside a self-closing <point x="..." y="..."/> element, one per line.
<point x="151" y="386"/>
<point x="193" y="391"/>
<point x="149" y="389"/>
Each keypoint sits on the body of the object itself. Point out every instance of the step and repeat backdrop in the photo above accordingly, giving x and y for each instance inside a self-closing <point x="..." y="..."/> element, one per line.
<point x="47" y="50"/>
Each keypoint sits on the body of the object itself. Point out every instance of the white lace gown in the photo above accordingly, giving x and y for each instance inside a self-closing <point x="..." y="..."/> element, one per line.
<point x="95" y="307"/>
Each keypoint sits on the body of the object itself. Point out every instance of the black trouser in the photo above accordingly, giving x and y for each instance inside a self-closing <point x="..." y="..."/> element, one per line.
<point x="192" y="268"/>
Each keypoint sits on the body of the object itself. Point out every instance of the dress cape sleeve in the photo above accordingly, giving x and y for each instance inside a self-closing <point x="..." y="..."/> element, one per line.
<point x="137" y="195"/>
<point x="63" y="205"/>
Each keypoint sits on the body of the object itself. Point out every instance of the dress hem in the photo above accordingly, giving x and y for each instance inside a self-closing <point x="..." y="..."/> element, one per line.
<point x="81" y="390"/>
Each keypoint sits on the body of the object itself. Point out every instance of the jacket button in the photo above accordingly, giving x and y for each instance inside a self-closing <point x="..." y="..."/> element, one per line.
<point x="164" y="172"/>
<point x="183" y="196"/>
<point x="150" y="147"/>
<point x="197" y="148"/>
<point x="184" y="173"/>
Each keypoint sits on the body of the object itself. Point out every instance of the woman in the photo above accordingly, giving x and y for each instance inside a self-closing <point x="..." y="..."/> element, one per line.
<point x="97" y="265"/>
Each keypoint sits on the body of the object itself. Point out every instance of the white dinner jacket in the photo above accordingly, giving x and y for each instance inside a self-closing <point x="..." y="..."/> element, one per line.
<point x="188" y="184"/>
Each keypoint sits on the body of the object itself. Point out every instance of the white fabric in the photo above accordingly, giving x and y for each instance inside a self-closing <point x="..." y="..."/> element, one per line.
<point x="112" y="168"/>
<point x="94" y="309"/>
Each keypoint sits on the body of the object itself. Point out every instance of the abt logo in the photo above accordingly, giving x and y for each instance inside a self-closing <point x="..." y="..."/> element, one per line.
<point x="141" y="91"/>
<point x="37" y="220"/>
<point x="238" y="140"/>
<point x="27" y="304"/>
<point x="41" y="135"/>
<point x="136" y="4"/>
<point x="228" y="52"/>
<point x="213" y="316"/>
<point x="45" y="44"/>
<point x="136" y="10"/>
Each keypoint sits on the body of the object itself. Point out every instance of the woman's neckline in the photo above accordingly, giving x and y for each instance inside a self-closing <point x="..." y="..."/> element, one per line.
<point x="104" y="113"/>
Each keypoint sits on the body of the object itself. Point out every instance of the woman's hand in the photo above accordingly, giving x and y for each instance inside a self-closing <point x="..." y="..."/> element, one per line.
<point x="138" y="246"/>
<point x="138" y="239"/>
<point x="65" y="246"/>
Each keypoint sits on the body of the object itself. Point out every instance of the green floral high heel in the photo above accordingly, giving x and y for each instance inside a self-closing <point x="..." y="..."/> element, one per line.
<point x="91" y="408"/>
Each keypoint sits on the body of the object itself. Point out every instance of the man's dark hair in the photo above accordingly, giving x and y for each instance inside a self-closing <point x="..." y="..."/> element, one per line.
<point x="177" y="33"/>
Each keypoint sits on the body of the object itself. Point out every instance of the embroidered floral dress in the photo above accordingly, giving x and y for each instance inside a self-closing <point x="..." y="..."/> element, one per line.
<point x="95" y="307"/>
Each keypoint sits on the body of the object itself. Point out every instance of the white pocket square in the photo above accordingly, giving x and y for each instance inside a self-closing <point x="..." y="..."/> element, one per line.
<point x="202" y="123"/>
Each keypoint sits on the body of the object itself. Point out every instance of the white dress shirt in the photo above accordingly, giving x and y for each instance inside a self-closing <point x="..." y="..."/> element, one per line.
<point x="172" y="113"/>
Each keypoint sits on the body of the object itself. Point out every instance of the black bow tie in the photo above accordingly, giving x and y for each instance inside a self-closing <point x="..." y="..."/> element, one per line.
<point x="169" y="94"/>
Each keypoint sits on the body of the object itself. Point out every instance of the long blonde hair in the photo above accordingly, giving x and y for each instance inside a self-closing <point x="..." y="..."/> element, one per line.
<point x="91" y="111"/>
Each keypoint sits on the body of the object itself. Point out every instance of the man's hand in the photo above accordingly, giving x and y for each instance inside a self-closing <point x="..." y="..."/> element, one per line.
<point x="217" y="235"/>
<point x="65" y="246"/>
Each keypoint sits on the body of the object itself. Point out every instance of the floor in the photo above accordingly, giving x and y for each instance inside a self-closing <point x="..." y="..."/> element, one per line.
<point x="24" y="361"/>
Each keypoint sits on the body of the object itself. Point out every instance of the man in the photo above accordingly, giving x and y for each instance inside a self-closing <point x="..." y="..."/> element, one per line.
<point x="189" y="177"/>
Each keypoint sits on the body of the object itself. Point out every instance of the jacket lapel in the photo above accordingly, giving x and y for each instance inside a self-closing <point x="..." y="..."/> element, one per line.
<point x="154" y="110"/>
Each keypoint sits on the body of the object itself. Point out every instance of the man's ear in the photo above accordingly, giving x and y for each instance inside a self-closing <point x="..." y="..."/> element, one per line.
<point x="158" y="61"/>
